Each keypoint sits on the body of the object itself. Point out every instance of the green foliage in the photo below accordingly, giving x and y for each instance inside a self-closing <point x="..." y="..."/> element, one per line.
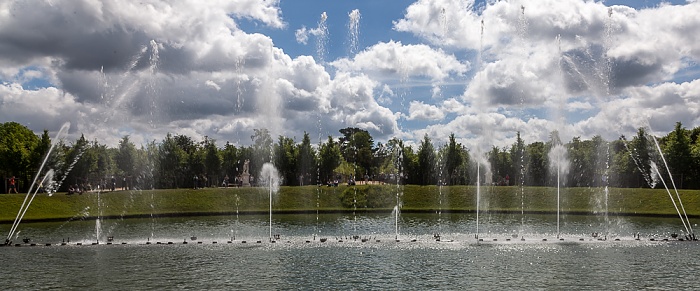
<point x="453" y="160"/>
<point x="677" y="150"/>
<point x="18" y="152"/>
<point x="175" y="160"/>
<point x="212" y="162"/>
<point x="306" y="161"/>
<point x="126" y="156"/>
<point x="330" y="159"/>
<point x="536" y="170"/>
<point x="427" y="175"/>
<point x="286" y="160"/>
<point x="357" y="147"/>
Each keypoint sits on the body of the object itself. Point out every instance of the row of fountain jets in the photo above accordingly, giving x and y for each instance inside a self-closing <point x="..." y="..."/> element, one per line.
<point x="353" y="27"/>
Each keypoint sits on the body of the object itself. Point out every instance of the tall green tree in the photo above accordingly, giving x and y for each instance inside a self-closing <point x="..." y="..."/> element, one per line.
<point x="640" y="153"/>
<point x="426" y="172"/>
<point x="357" y="148"/>
<point x="172" y="164"/>
<point x="41" y="149"/>
<point x="536" y="173"/>
<point x="453" y="160"/>
<point x="695" y="154"/>
<point x="583" y="157"/>
<point x="286" y="160"/>
<point x="306" y="161"/>
<point x="518" y="158"/>
<point x="501" y="165"/>
<point x="126" y="159"/>
<point x="677" y="150"/>
<point x="330" y="159"/>
<point x="17" y="146"/>
<point x="230" y="161"/>
<point x="84" y="161"/>
<point x="212" y="161"/>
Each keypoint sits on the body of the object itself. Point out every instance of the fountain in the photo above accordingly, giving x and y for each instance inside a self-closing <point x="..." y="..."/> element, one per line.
<point x="270" y="177"/>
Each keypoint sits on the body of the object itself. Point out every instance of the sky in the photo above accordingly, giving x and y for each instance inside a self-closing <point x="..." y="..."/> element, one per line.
<point x="481" y="70"/>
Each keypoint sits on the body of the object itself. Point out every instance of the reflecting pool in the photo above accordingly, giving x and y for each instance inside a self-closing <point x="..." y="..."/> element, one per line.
<point x="359" y="252"/>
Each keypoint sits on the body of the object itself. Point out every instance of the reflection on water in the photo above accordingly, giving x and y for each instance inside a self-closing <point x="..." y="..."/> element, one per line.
<point x="292" y="263"/>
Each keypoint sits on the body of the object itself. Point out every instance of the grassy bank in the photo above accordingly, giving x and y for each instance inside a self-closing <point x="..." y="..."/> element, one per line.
<point x="215" y="201"/>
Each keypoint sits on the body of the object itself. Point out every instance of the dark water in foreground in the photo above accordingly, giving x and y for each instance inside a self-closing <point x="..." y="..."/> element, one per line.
<point x="292" y="263"/>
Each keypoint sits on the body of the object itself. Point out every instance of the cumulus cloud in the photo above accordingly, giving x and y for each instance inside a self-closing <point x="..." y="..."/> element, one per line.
<point x="146" y="68"/>
<point x="404" y="61"/>
<point x="422" y="111"/>
<point x="570" y="55"/>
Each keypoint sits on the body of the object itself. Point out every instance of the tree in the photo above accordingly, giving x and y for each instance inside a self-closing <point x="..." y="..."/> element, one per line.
<point x="212" y="161"/>
<point x="230" y="161"/>
<point x="306" y="161"/>
<point x="453" y="160"/>
<point x="41" y="149"/>
<point x="426" y="162"/>
<point x="500" y="164"/>
<point x="84" y="161"/>
<point x="330" y="158"/>
<point x="126" y="158"/>
<point x="17" y="146"/>
<point x="172" y="163"/>
<point x="623" y="171"/>
<point x="536" y="171"/>
<point x="695" y="174"/>
<point x="640" y="154"/>
<point x="518" y="158"/>
<point x="285" y="160"/>
<point x="583" y="157"/>
<point x="357" y="147"/>
<point x="677" y="151"/>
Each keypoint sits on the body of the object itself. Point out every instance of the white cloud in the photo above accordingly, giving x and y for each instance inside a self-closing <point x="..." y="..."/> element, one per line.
<point x="404" y="61"/>
<point x="576" y="106"/>
<point x="151" y="67"/>
<point x="213" y="84"/>
<point x="422" y="111"/>
<point x="302" y="35"/>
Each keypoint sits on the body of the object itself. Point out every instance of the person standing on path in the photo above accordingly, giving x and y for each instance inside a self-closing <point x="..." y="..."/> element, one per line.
<point x="13" y="186"/>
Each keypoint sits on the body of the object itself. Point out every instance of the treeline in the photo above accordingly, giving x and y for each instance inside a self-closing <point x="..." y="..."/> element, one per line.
<point x="178" y="161"/>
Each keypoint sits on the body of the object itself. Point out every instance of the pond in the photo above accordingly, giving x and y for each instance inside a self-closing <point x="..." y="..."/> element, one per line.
<point x="226" y="254"/>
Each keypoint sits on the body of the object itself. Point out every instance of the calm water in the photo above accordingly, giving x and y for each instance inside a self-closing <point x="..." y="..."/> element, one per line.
<point x="292" y="263"/>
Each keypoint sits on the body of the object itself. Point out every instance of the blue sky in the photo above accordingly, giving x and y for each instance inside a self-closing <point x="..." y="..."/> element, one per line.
<point x="224" y="68"/>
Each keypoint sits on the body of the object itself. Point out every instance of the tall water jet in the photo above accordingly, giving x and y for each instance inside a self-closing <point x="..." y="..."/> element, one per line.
<point x="559" y="163"/>
<point x="270" y="176"/>
<point x="25" y="204"/>
<point x="558" y="156"/>
<point x="399" y="176"/>
<point x="440" y="184"/>
<point x="481" y="147"/>
<point x="353" y="31"/>
<point x="522" y="35"/>
<point x="322" y="38"/>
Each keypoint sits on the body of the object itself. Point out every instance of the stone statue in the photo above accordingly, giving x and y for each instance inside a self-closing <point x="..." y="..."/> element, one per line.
<point x="245" y="176"/>
<point x="245" y="166"/>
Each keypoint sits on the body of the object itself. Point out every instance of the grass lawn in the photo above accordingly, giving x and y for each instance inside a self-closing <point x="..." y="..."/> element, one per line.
<point x="215" y="201"/>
